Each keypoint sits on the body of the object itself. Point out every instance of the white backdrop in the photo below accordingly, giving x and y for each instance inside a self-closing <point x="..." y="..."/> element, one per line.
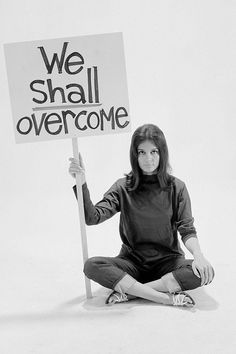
<point x="180" y="58"/>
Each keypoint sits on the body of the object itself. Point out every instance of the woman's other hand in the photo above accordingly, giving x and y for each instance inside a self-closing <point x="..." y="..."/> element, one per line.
<point x="203" y="269"/>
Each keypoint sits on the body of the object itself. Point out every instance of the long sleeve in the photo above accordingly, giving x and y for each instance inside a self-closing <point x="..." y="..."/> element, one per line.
<point x="185" y="220"/>
<point x="104" y="209"/>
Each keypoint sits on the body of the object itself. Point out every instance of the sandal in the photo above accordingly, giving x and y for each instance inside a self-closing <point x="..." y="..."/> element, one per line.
<point x="181" y="299"/>
<point x="115" y="297"/>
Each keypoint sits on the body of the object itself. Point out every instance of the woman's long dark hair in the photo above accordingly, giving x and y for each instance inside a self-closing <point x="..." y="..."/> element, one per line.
<point x="153" y="133"/>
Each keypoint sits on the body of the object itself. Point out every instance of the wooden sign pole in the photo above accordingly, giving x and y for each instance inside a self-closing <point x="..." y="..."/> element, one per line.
<point x="81" y="217"/>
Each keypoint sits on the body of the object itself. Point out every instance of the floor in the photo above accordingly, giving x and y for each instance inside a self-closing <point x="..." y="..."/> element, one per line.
<point x="53" y="316"/>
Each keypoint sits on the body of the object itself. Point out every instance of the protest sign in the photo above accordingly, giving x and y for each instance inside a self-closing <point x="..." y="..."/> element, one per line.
<point x="70" y="87"/>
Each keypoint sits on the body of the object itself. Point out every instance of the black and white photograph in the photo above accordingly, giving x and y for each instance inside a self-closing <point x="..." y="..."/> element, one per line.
<point x="118" y="177"/>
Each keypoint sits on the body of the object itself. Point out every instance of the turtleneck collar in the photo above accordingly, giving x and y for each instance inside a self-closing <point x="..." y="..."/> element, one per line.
<point x="149" y="178"/>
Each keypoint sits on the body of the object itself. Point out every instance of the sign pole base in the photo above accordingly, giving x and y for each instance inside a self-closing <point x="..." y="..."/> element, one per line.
<point x="81" y="218"/>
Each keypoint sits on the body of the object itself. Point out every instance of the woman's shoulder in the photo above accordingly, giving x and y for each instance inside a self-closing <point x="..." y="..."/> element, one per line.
<point x="179" y="184"/>
<point x="121" y="182"/>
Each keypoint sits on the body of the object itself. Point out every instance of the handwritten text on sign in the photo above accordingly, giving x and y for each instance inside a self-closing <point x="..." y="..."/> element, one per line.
<point x="66" y="88"/>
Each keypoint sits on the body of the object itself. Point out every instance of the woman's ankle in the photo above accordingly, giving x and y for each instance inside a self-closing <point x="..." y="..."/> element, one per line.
<point x="131" y="297"/>
<point x="168" y="300"/>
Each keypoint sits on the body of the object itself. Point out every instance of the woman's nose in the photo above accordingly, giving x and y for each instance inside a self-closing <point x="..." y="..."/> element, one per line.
<point x="149" y="157"/>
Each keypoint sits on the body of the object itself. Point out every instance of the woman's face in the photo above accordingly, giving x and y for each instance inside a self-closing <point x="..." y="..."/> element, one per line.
<point x="148" y="157"/>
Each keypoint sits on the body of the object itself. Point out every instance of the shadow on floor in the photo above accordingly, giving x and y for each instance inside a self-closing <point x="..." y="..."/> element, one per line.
<point x="204" y="302"/>
<point x="80" y="308"/>
<point x="74" y="310"/>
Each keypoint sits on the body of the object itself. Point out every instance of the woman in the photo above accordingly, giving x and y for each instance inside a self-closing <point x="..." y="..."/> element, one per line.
<point x="154" y="207"/>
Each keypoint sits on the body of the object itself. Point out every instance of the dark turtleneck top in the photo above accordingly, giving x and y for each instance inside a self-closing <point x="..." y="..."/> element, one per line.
<point x="146" y="217"/>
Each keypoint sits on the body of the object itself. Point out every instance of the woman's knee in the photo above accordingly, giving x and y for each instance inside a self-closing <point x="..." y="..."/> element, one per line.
<point x="90" y="267"/>
<point x="186" y="278"/>
<point x="196" y="281"/>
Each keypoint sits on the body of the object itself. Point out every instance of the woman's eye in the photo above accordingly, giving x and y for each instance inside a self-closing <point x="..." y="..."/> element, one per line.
<point x="141" y="152"/>
<point x="155" y="152"/>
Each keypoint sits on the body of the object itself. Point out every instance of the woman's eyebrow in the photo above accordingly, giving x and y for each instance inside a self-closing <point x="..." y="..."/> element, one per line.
<point x="155" y="148"/>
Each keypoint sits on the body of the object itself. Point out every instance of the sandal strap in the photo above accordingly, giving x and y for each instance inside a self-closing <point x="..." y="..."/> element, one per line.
<point x="180" y="299"/>
<point x="117" y="297"/>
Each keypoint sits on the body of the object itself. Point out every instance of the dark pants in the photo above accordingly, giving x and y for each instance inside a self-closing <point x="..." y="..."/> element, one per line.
<point x="108" y="271"/>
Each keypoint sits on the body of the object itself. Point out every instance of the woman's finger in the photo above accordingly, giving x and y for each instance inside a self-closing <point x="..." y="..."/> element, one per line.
<point x="200" y="274"/>
<point x="76" y="165"/>
<point x="211" y="275"/>
<point x="206" y="276"/>
<point x="195" y="271"/>
<point x="203" y="276"/>
<point x="74" y="161"/>
<point x="76" y="169"/>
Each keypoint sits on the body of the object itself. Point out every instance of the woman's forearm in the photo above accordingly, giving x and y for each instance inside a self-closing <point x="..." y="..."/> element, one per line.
<point x="192" y="244"/>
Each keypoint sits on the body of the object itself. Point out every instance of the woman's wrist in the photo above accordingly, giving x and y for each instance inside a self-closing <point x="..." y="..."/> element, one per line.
<point x="193" y="246"/>
<point x="198" y="254"/>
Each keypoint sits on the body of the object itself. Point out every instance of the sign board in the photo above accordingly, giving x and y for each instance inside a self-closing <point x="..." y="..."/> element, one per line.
<point x="69" y="87"/>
